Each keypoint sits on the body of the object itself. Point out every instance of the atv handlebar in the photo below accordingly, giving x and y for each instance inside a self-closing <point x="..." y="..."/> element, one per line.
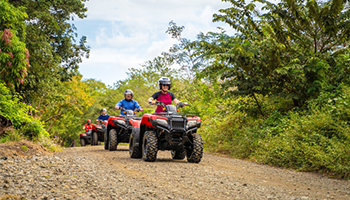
<point x="180" y="104"/>
<point x="102" y="121"/>
<point x="160" y="103"/>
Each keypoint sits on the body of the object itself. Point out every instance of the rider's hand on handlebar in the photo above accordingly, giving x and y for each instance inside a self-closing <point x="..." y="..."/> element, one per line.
<point x="152" y="102"/>
<point x="181" y="105"/>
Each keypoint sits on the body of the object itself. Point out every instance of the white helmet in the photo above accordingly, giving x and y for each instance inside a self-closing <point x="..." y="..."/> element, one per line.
<point x="128" y="92"/>
<point x="164" y="81"/>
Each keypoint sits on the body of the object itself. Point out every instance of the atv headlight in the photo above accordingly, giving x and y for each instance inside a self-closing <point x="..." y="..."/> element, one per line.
<point x="121" y="122"/>
<point x="162" y="122"/>
<point x="191" y="123"/>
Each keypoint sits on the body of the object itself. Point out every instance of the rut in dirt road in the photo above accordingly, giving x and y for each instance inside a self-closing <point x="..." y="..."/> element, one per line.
<point x="94" y="173"/>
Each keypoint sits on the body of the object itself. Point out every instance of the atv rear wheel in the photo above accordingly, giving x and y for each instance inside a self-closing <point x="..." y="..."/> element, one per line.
<point x="178" y="155"/>
<point x="94" y="139"/>
<point x="112" y="140"/>
<point x="135" y="152"/>
<point x="82" y="142"/>
<point x="195" y="153"/>
<point x="150" y="146"/>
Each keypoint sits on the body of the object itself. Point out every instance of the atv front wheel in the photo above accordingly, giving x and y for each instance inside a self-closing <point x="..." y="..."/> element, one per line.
<point x="113" y="141"/>
<point x="82" y="142"/>
<point x="94" y="139"/>
<point x="150" y="146"/>
<point x="135" y="152"/>
<point x="178" y="155"/>
<point x="195" y="153"/>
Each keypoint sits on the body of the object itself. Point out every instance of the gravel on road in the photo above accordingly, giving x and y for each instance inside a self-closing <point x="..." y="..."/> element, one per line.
<point x="94" y="173"/>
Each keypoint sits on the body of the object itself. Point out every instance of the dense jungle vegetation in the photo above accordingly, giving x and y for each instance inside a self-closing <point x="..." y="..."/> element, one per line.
<point x="276" y="92"/>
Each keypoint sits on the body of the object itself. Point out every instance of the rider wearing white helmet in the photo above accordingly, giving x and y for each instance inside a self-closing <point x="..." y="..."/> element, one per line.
<point x="103" y="115"/>
<point x="128" y="103"/>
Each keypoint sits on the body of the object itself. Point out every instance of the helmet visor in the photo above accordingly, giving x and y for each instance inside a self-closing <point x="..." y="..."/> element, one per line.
<point x="165" y="82"/>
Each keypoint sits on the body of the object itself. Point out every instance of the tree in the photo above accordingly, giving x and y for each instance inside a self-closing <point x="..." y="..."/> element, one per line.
<point x="293" y="50"/>
<point x="14" y="57"/>
<point x="183" y="53"/>
<point x="51" y="41"/>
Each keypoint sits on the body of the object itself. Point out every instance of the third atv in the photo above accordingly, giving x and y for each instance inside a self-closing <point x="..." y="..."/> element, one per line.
<point x="98" y="132"/>
<point x="85" y="138"/>
<point x="119" y="128"/>
<point x="168" y="130"/>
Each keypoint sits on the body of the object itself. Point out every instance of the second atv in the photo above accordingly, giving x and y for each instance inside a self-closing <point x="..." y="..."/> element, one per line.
<point x="119" y="128"/>
<point x="168" y="130"/>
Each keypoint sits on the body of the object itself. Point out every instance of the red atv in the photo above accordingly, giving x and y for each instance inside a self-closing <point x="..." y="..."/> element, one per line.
<point x="98" y="132"/>
<point x="119" y="128"/>
<point x="85" y="138"/>
<point x="168" y="130"/>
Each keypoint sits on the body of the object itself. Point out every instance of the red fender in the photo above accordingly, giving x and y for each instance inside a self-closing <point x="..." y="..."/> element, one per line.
<point x="135" y="123"/>
<point x="145" y="119"/>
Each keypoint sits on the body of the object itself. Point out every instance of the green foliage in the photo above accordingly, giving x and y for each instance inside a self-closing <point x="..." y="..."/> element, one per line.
<point x="16" y="111"/>
<point x="49" y="143"/>
<point x="14" y="57"/>
<point x="49" y="82"/>
<point x="13" y="18"/>
<point x="62" y="108"/>
<point x="270" y="56"/>
<point x="11" y="135"/>
<point x="316" y="139"/>
<point x="24" y="148"/>
<point x="53" y="44"/>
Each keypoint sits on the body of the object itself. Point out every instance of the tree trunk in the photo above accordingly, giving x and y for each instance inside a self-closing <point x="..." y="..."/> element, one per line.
<point x="257" y="103"/>
<point x="54" y="119"/>
<point x="73" y="144"/>
<point x="37" y="108"/>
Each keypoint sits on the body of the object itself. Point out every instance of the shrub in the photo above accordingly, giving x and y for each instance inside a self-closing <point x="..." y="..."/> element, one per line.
<point x="313" y="138"/>
<point x="16" y="111"/>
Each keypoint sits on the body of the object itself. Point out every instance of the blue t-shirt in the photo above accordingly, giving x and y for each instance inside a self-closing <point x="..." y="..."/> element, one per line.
<point x="103" y="117"/>
<point x="128" y="105"/>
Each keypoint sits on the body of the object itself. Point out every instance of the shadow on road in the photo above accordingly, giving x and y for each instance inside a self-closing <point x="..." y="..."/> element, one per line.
<point x="170" y="160"/>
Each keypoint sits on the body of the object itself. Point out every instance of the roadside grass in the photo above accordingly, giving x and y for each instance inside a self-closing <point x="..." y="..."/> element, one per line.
<point x="313" y="139"/>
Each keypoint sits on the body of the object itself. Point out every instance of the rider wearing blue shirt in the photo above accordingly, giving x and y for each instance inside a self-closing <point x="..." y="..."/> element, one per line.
<point x="103" y="115"/>
<point x="128" y="103"/>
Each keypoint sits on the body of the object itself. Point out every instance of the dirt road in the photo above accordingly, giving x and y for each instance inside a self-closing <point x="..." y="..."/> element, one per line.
<point x="93" y="173"/>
